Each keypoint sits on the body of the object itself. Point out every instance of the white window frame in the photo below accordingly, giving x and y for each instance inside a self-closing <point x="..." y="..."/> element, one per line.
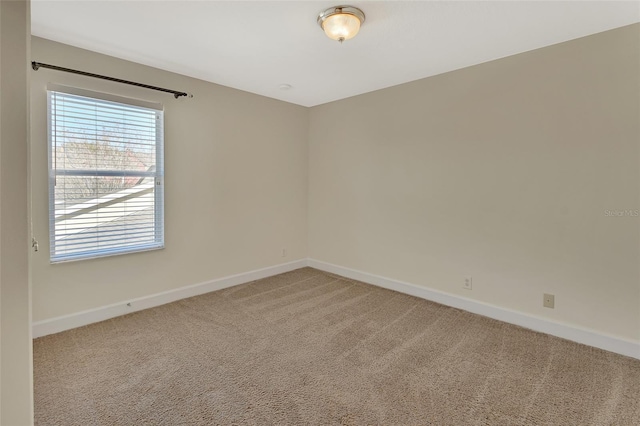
<point x="158" y="175"/>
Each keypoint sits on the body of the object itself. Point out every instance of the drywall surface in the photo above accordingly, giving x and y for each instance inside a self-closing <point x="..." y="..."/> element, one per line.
<point x="16" y="391"/>
<point x="522" y="173"/>
<point x="235" y="186"/>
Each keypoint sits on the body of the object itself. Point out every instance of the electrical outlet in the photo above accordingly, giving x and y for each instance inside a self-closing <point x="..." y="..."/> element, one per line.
<point x="284" y="252"/>
<point x="549" y="301"/>
<point x="468" y="283"/>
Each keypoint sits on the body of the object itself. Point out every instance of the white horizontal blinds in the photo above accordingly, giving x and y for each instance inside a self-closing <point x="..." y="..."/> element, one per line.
<point x="106" y="177"/>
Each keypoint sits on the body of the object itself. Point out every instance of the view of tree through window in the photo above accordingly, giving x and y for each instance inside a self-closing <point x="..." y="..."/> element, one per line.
<point x="103" y="152"/>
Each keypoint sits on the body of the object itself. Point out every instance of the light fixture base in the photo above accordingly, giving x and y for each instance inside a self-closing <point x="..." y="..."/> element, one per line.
<point x="350" y="10"/>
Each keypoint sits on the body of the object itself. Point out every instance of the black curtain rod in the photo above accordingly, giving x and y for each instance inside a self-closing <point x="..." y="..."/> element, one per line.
<point x="36" y="65"/>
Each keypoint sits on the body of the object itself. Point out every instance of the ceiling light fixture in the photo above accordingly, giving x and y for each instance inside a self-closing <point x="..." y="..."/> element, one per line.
<point x="341" y="22"/>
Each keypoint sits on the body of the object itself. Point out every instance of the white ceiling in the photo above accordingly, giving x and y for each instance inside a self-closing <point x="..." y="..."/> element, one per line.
<point x="258" y="45"/>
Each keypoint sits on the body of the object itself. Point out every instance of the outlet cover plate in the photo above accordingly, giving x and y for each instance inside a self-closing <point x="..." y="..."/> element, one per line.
<point x="468" y="283"/>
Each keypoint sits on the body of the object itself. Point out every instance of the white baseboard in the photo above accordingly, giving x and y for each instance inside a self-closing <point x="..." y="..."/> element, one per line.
<point x="78" y="319"/>
<point x="570" y="332"/>
<point x="577" y="334"/>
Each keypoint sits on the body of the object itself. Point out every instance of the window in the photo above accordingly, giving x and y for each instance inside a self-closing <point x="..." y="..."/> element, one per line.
<point x="106" y="175"/>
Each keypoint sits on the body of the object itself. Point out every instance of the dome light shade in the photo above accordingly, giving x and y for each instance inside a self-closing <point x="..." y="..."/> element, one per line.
<point x="341" y="22"/>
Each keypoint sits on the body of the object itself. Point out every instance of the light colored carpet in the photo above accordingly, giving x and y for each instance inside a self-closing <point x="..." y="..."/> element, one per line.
<point x="307" y="347"/>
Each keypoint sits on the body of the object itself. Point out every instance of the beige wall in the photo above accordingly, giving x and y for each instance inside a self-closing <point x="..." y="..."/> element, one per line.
<point x="235" y="186"/>
<point x="15" y="314"/>
<point x="502" y="171"/>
